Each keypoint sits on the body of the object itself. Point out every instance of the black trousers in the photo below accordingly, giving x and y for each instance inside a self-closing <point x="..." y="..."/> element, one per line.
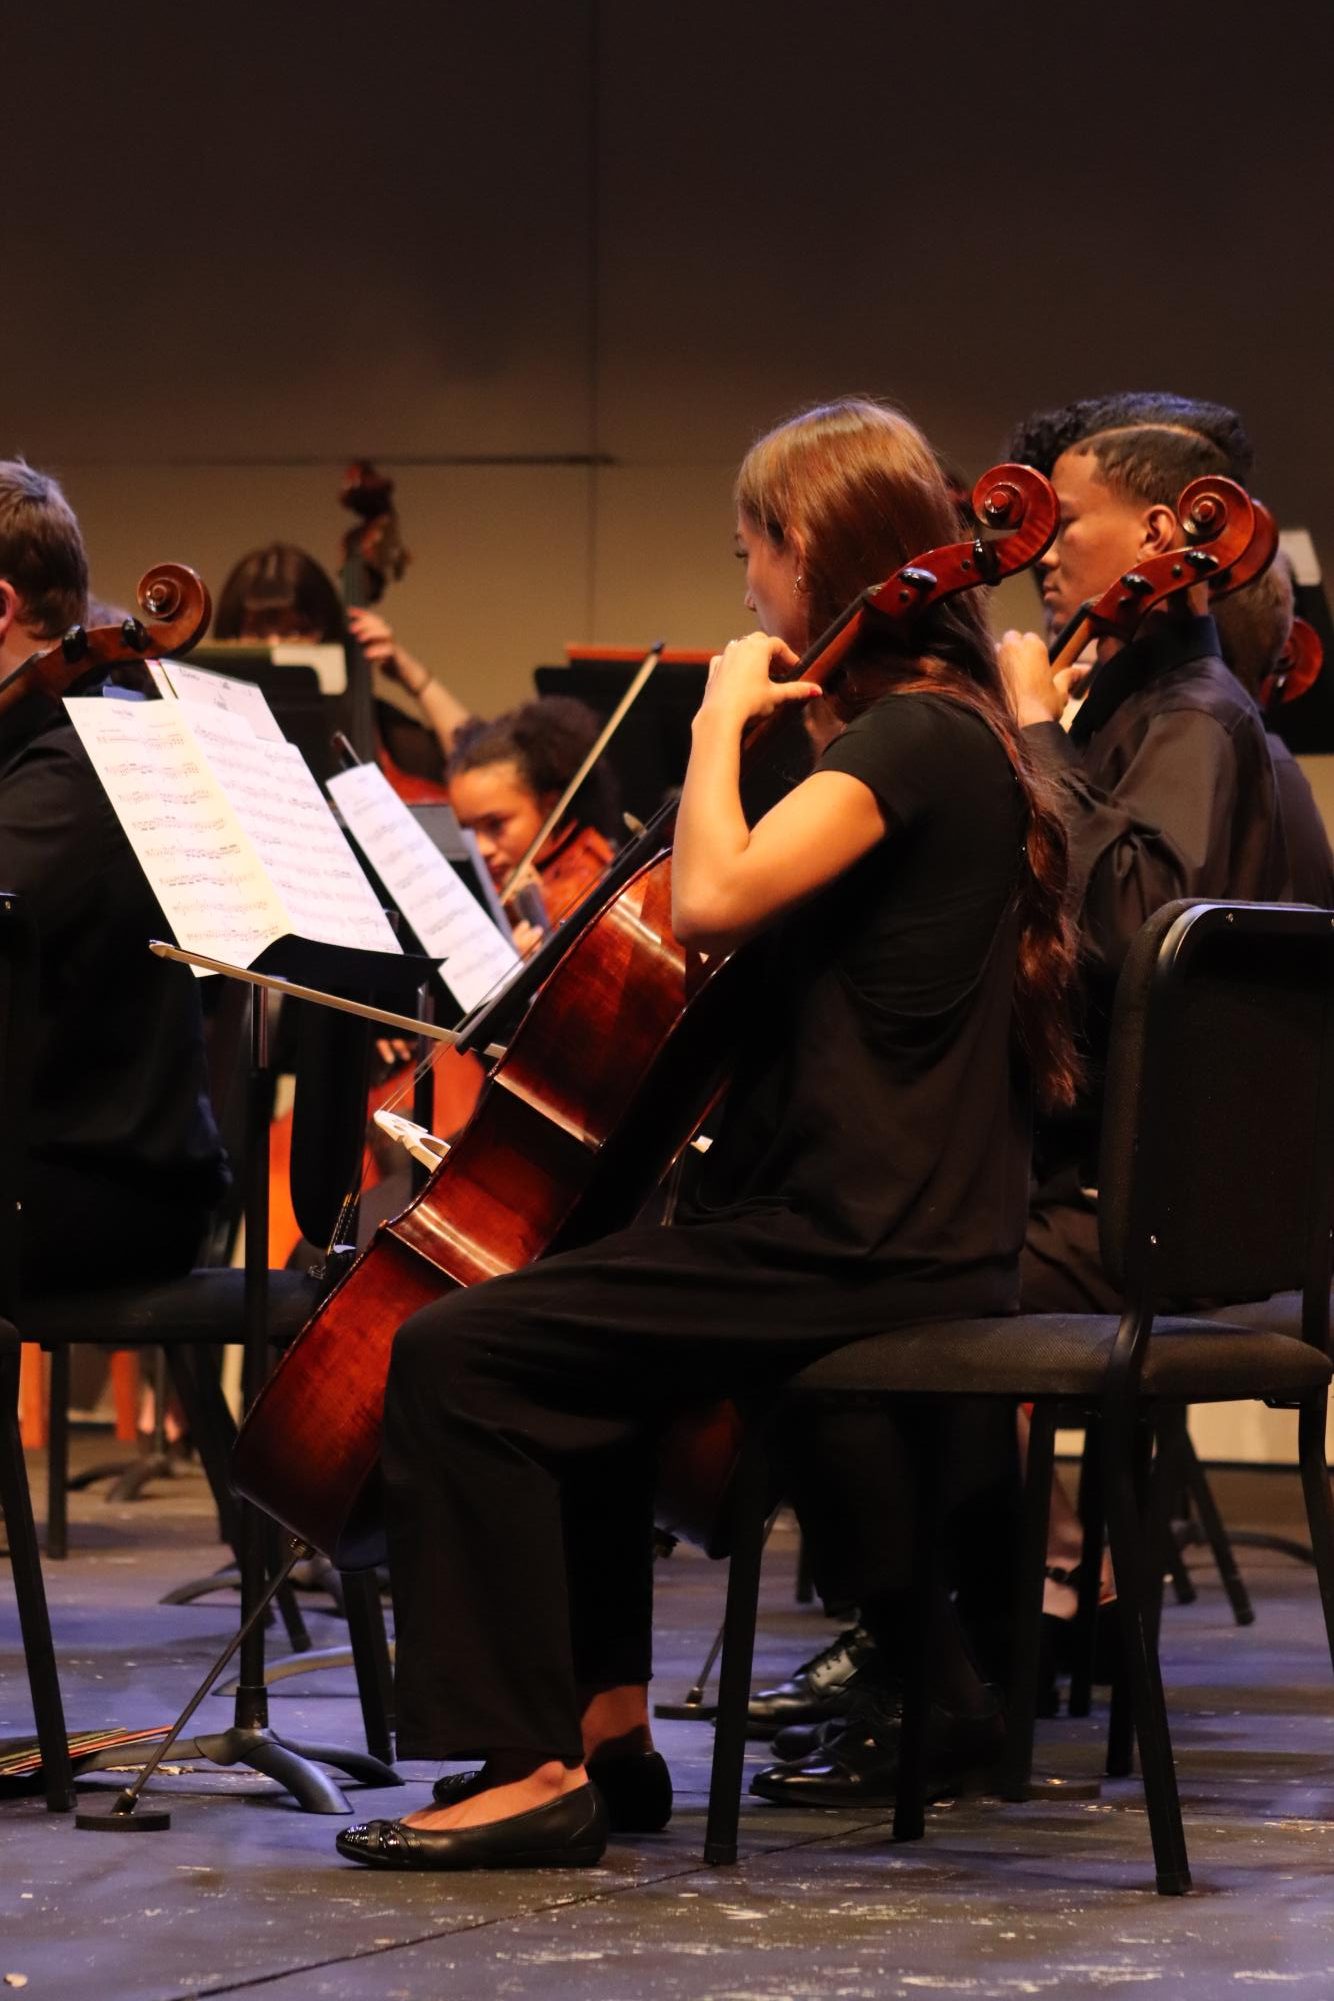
<point x="519" y="1468"/>
<point x="1060" y="1270"/>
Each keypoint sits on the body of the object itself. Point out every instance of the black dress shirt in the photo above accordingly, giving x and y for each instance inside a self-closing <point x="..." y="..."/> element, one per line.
<point x="1169" y="791"/>
<point x="118" y="1091"/>
<point x="1310" y="864"/>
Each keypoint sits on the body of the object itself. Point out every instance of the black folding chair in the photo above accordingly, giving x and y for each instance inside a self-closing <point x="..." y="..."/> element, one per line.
<point x="192" y="1316"/>
<point x="1216" y="1180"/>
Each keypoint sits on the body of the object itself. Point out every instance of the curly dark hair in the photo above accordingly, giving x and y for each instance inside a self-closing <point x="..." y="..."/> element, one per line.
<point x="1041" y="439"/>
<point x="548" y="740"/>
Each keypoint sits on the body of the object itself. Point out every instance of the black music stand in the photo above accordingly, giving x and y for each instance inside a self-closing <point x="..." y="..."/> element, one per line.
<point x="376" y="978"/>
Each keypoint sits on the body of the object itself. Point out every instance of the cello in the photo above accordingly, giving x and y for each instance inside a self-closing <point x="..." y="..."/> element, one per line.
<point x="602" y="1085"/>
<point x="174" y="601"/>
<point x="1296" y="670"/>
<point x="1229" y="540"/>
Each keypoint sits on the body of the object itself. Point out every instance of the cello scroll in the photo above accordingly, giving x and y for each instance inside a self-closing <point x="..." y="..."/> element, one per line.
<point x="176" y="608"/>
<point x="1218" y="521"/>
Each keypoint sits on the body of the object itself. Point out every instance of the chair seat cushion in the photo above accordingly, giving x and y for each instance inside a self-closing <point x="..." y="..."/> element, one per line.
<point x="203" y="1305"/>
<point x="1065" y="1355"/>
<point x="1281" y="1315"/>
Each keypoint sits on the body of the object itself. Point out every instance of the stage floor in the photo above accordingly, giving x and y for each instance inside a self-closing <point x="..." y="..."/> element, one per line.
<point x="245" y="1896"/>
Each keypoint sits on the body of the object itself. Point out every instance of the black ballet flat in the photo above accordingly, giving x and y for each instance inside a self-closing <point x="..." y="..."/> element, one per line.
<point x="636" y="1786"/>
<point x="568" y="1833"/>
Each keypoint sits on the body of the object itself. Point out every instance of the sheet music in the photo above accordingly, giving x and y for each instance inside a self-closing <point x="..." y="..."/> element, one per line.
<point x="298" y="840"/>
<point x="204" y="869"/>
<point x="201" y="688"/>
<point x="447" y="918"/>
<point x="231" y="830"/>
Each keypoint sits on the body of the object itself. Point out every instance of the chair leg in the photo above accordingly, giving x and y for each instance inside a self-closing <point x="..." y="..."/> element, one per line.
<point x="1084" y="1639"/>
<point x="1162" y="1487"/>
<point x="1025" y="1666"/>
<point x="34" y="1622"/>
<point x="57" y="1457"/>
<point x="1121" y="1715"/>
<point x="743" y="1596"/>
<point x="919" y="1620"/>
<point x="1319" y="1507"/>
<point x="1124" y="1453"/>
<point x="370" y="1659"/>
<point x="805" y="1585"/>
<point x="1216" y="1535"/>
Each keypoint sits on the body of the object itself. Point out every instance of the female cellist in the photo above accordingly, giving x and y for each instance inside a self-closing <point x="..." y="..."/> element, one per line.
<point x="900" y="911"/>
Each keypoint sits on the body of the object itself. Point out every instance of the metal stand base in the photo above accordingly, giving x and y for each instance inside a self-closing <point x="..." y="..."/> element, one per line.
<point x="1191" y="1536"/>
<point x="128" y="1477"/>
<point x="263" y="1751"/>
<point x="290" y="1764"/>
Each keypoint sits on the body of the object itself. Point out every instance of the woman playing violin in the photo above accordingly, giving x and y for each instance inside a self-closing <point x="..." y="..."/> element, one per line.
<point x="504" y="779"/>
<point x="906" y="959"/>
<point x="506" y="776"/>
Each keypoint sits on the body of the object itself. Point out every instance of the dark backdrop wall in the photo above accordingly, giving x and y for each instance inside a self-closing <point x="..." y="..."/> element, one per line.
<point x="554" y="264"/>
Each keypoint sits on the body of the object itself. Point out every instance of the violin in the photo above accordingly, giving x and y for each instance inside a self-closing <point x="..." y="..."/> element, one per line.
<point x="601" y="1087"/>
<point x="374" y="555"/>
<point x="176" y="609"/>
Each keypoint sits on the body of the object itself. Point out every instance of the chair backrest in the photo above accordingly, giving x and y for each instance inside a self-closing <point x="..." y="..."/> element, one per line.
<point x="1217" y="1170"/>
<point x="18" y="1000"/>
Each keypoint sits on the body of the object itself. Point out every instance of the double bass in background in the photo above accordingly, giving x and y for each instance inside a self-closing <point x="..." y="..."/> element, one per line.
<point x="373" y="556"/>
<point x="601" y="1086"/>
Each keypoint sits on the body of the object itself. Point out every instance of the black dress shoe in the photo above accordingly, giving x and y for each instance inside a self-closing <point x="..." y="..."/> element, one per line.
<point x="570" y="1832"/>
<point x="636" y="1788"/>
<point x="859" y="1768"/>
<point x="799" y="1740"/>
<point x="815" y="1690"/>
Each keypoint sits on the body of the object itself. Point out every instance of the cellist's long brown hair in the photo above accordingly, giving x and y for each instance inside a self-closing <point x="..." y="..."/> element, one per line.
<point x="856" y="487"/>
